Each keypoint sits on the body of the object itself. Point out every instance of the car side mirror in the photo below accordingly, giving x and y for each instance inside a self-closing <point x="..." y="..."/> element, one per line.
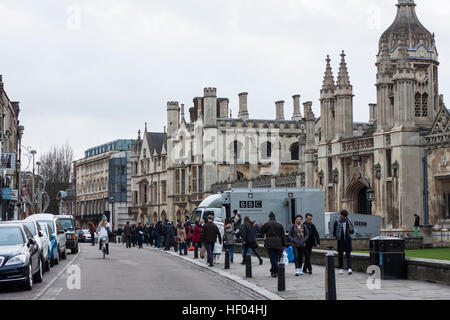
<point x="65" y="230"/>
<point x="40" y="234"/>
<point x="61" y="232"/>
<point x="31" y="242"/>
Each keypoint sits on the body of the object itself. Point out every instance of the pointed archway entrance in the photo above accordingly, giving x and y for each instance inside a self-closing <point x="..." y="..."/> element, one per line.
<point x="357" y="196"/>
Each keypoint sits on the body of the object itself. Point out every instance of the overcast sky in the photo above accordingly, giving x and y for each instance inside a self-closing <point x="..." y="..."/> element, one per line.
<point x="89" y="72"/>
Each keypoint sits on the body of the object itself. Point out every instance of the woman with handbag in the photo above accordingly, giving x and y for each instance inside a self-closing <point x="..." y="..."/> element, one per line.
<point x="298" y="235"/>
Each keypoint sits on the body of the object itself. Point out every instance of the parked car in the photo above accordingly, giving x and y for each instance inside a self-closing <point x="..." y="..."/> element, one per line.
<point x="53" y="244"/>
<point x="57" y="229"/>
<point x="69" y="225"/>
<point x="81" y="236"/>
<point x="41" y="240"/>
<point x="87" y="236"/>
<point x="20" y="260"/>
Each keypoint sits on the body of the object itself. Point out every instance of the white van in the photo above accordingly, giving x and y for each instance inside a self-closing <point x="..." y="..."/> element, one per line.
<point x="212" y="205"/>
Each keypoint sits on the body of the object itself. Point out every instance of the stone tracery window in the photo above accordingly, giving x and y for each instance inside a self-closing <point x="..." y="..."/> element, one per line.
<point x="421" y="105"/>
<point x="425" y="105"/>
<point x="418" y="103"/>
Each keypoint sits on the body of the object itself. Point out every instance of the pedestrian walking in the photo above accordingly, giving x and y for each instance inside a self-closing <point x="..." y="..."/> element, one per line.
<point x="92" y="230"/>
<point x="119" y="234"/>
<point x="312" y="241"/>
<point x="140" y="236"/>
<point x="275" y="242"/>
<point x="210" y="234"/>
<point x="133" y="235"/>
<point x="298" y="235"/>
<point x="218" y="247"/>
<point x="147" y="234"/>
<point x="237" y="222"/>
<point x="158" y="234"/>
<point x="196" y="235"/>
<point x="151" y="229"/>
<point x="249" y="239"/>
<point x="342" y="231"/>
<point x="127" y="231"/>
<point x="229" y="238"/>
<point x="189" y="231"/>
<point x="181" y="237"/>
<point x="169" y="236"/>
<point x="416" y="225"/>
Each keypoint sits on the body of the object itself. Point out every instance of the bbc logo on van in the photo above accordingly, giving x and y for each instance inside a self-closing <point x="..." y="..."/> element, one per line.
<point x="250" y="204"/>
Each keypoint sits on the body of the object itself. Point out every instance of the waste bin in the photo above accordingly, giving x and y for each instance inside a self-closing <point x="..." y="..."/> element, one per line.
<point x="389" y="254"/>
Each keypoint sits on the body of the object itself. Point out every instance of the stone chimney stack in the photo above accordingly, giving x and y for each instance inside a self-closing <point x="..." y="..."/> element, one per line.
<point x="243" y="109"/>
<point x="280" y="110"/>
<point x="297" y="114"/>
<point x="373" y="112"/>
<point x="223" y="107"/>
<point x="210" y="106"/>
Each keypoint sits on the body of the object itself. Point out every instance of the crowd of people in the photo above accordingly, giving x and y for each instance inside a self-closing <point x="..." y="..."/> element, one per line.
<point x="212" y="236"/>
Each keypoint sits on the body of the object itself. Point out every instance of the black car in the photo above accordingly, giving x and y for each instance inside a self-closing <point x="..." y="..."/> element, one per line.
<point x="20" y="260"/>
<point x="71" y="235"/>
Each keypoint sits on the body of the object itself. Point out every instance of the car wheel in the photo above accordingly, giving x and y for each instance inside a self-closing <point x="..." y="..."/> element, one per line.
<point x="64" y="254"/>
<point x="47" y="264"/>
<point x="75" y="250"/>
<point x="28" y="283"/>
<point x="39" y="275"/>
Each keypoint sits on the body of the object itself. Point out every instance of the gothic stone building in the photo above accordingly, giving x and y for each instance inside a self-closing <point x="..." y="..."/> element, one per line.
<point x="409" y="127"/>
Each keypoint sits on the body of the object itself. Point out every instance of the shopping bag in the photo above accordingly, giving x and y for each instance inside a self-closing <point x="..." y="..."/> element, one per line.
<point x="284" y="258"/>
<point x="202" y="252"/>
<point x="290" y="253"/>
<point x="192" y="248"/>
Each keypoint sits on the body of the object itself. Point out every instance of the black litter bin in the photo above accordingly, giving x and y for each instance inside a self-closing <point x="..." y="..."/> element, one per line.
<point x="389" y="255"/>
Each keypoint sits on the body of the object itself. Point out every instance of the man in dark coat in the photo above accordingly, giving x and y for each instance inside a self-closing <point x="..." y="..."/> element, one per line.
<point x="169" y="234"/>
<point x="128" y="234"/>
<point x="275" y="242"/>
<point x="342" y="231"/>
<point x="158" y="234"/>
<point x="249" y="240"/>
<point x="313" y="241"/>
<point x="140" y="235"/>
<point x="210" y="234"/>
<point x="189" y="231"/>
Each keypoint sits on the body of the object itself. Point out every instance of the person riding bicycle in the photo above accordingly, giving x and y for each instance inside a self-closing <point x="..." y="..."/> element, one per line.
<point x="103" y="230"/>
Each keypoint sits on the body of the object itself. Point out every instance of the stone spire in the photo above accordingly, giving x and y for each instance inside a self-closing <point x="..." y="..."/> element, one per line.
<point x="328" y="80"/>
<point x="403" y="64"/>
<point x="182" y="113"/>
<point x="385" y="65"/>
<point x="343" y="79"/>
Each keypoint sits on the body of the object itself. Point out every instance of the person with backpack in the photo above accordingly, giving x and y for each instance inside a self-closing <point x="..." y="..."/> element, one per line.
<point x="298" y="235"/>
<point x="249" y="239"/>
<point x="228" y="238"/>
<point x="342" y="231"/>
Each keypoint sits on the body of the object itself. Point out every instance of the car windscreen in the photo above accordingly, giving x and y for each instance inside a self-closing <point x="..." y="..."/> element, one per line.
<point x="11" y="236"/>
<point x="50" y="226"/>
<point x="68" y="224"/>
<point x="31" y="227"/>
<point x="43" y="228"/>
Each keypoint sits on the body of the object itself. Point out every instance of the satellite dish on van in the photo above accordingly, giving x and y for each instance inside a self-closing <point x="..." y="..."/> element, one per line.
<point x="214" y="201"/>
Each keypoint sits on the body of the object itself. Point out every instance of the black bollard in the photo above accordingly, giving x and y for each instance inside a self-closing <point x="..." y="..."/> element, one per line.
<point x="185" y="249"/>
<point x="330" y="278"/>
<point x="227" y="259"/>
<point x="281" y="277"/>
<point x="196" y="251"/>
<point x="248" y="266"/>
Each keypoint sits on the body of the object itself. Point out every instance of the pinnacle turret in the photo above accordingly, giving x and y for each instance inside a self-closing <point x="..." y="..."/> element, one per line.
<point x="343" y="79"/>
<point x="385" y="65"/>
<point x="328" y="79"/>
<point x="403" y="64"/>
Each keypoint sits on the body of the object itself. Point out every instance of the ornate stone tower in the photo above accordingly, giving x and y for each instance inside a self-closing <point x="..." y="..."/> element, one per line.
<point x="344" y="102"/>
<point x="406" y="30"/>
<point x="327" y="103"/>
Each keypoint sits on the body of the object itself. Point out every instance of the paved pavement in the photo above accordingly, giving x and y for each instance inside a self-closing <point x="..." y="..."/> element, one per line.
<point x="349" y="287"/>
<point x="133" y="274"/>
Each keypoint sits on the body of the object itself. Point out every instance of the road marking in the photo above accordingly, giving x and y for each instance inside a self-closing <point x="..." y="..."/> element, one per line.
<point x="57" y="277"/>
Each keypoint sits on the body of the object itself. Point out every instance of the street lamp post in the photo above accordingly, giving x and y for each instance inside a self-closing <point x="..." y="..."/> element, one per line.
<point x="112" y="213"/>
<point x="33" y="153"/>
<point x="370" y="198"/>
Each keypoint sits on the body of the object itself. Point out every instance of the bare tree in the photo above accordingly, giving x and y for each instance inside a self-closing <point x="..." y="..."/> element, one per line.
<point x="56" y="169"/>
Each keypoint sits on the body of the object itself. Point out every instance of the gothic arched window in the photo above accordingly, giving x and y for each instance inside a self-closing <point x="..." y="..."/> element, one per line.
<point x="266" y="150"/>
<point x="295" y="152"/>
<point x="418" y="105"/>
<point x="425" y="105"/>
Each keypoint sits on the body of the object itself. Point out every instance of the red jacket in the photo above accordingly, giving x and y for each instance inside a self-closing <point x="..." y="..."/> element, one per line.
<point x="197" y="233"/>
